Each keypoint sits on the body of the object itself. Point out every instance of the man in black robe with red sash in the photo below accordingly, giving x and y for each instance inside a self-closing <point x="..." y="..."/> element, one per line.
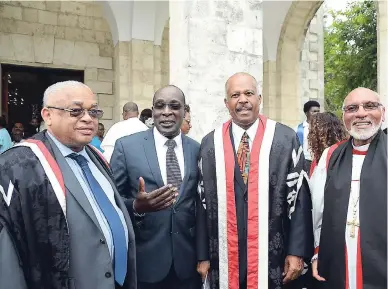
<point x="63" y="224"/>
<point x="256" y="200"/>
<point x="350" y="212"/>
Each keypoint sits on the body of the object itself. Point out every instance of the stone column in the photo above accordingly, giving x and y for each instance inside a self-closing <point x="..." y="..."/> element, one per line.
<point x="382" y="52"/>
<point x="123" y="80"/>
<point x="210" y="41"/>
<point x="269" y="96"/>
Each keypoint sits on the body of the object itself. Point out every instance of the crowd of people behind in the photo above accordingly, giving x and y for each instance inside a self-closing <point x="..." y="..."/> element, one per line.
<point x="143" y="206"/>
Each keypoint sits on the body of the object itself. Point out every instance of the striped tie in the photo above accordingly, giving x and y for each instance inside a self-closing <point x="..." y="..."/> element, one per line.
<point x="174" y="176"/>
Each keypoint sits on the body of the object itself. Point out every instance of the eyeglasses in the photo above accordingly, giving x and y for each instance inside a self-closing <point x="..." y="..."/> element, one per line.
<point x="171" y="105"/>
<point x="80" y="112"/>
<point x="368" y="106"/>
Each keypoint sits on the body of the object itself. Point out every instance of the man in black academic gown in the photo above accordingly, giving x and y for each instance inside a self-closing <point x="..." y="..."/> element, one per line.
<point x="63" y="224"/>
<point x="350" y="228"/>
<point x="256" y="200"/>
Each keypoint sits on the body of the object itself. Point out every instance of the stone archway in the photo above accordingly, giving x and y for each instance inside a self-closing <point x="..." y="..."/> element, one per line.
<point x="61" y="34"/>
<point x="283" y="101"/>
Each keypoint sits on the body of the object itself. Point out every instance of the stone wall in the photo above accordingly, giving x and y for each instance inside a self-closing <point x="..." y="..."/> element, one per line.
<point x="312" y="63"/>
<point x="61" y="34"/>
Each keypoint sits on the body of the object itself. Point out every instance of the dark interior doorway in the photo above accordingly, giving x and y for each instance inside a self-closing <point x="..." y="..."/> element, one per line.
<point x="22" y="90"/>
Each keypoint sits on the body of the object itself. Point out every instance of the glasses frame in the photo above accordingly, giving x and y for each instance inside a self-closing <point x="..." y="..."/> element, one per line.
<point x="81" y="114"/>
<point x="344" y="108"/>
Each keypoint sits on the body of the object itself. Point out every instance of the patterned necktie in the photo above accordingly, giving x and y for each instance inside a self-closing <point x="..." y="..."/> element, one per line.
<point x="112" y="217"/>
<point x="174" y="176"/>
<point x="243" y="157"/>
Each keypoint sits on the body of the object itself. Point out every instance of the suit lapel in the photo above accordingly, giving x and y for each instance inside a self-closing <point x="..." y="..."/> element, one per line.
<point x="73" y="186"/>
<point x="187" y="155"/>
<point x="119" y="202"/>
<point x="152" y="157"/>
<point x="237" y="173"/>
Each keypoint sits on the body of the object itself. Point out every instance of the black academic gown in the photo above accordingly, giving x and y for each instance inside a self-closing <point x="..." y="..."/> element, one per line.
<point x="286" y="236"/>
<point x="373" y="216"/>
<point x="35" y="222"/>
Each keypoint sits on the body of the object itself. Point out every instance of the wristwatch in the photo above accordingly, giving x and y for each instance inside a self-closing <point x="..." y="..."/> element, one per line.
<point x="134" y="211"/>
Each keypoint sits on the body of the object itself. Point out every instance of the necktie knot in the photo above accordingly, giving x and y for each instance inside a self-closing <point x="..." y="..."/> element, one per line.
<point x="171" y="143"/>
<point x="81" y="160"/>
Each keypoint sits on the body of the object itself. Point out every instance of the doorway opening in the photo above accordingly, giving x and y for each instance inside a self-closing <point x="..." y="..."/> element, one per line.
<point x="22" y="89"/>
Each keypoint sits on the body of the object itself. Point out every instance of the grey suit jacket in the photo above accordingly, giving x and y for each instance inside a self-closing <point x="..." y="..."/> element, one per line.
<point x="90" y="261"/>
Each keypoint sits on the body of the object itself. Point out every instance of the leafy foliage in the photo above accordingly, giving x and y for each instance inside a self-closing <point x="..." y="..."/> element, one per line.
<point x="350" y="49"/>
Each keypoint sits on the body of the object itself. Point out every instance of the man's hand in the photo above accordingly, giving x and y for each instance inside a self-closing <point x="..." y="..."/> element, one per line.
<point x="157" y="200"/>
<point x="202" y="268"/>
<point x="293" y="268"/>
<point x="314" y="267"/>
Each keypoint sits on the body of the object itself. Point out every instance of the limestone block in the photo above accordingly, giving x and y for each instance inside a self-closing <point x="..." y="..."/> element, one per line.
<point x="100" y="37"/>
<point x="314" y="29"/>
<point x="44" y="48"/>
<point x="313" y="65"/>
<point x="148" y="62"/>
<point x="101" y="25"/>
<point x="108" y="38"/>
<point x="73" y="8"/>
<point x="34" y="4"/>
<point x="148" y="91"/>
<point x="68" y="20"/>
<point x="314" y="94"/>
<point x="30" y="15"/>
<point x="106" y="75"/>
<point x="91" y="74"/>
<point x="312" y="74"/>
<point x="93" y="10"/>
<point x="37" y="28"/>
<point x="53" y="6"/>
<point x="313" y="37"/>
<point x="46" y="17"/>
<point x="100" y="86"/>
<point x="60" y="32"/>
<point x="108" y="112"/>
<point x="100" y="62"/>
<point x="7" y="25"/>
<point x="106" y="50"/>
<point x="314" y="84"/>
<point x="105" y="100"/>
<point x="89" y="35"/>
<point x="11" y="12"/>
<point x="86" y="22"/>
<point x="82" y="51"/>
<point x="314" y="47"/>
<point x="6" y="47"/>
<point x="23" y="47"/>
<point x="49" y="29"/>
<point x="63" y="51"/>
<point x="313" y="56"/>
<point x="73" y="34"/>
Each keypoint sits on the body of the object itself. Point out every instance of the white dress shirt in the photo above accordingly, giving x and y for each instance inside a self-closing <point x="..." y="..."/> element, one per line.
<point x="306" y="149"/>
<point x="118" y="130"/>
<point x="161" y="151"/>
<point x="238" y="132"/>
<point x="105" y="185"/>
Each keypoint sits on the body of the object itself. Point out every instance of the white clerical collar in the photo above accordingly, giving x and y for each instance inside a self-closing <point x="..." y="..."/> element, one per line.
<point x="238" y="131"/>
<point x="161" y="139"/>
<point x="362" y="148"/>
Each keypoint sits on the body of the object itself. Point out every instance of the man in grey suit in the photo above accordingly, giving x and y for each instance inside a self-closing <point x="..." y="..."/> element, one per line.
<point x="156" y="171"/>
<point x="62" y="222"/>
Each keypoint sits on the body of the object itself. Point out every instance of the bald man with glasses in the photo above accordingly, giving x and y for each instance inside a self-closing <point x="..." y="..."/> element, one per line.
<point x="62" y="220"/>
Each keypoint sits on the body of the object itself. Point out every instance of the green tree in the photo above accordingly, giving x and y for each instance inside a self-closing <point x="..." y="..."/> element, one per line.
<point x="350" y="49"/>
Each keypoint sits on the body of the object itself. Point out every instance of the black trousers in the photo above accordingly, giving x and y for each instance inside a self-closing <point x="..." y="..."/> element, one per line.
<point x="173" y="282"/>
<point x="307" y="165"/>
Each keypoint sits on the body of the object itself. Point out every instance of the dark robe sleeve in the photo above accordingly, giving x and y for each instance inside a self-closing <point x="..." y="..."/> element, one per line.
<point x="11" y="272"/>
<point x="202" y="236"/>
<point x="119" y="169"/>
<point x="300" y="242"/>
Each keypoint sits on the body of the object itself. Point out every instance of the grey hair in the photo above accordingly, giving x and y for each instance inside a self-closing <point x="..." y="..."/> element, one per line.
<point x="52" y="89"/>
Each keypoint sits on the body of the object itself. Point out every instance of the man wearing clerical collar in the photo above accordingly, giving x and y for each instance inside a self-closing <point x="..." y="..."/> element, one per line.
<point x="255" y="197"/>
<point x="350" y="209"/>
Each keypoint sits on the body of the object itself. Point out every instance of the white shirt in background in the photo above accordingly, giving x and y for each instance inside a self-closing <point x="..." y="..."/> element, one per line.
<point x="118" y="130"/>
<point x="306" y="149"/>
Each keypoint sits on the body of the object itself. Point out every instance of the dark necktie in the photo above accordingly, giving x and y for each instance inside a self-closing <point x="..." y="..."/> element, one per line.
<point x="111" y="215"/>
<point x="243" y="157"/>
<point x="174" y="176"/>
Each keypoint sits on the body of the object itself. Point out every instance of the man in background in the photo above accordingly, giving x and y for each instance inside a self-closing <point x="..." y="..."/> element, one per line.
<point x="186" y="124"/>
<point x="130" y="125"/>
<point x="302" y="130"/>
<point x="97" y="139"/>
